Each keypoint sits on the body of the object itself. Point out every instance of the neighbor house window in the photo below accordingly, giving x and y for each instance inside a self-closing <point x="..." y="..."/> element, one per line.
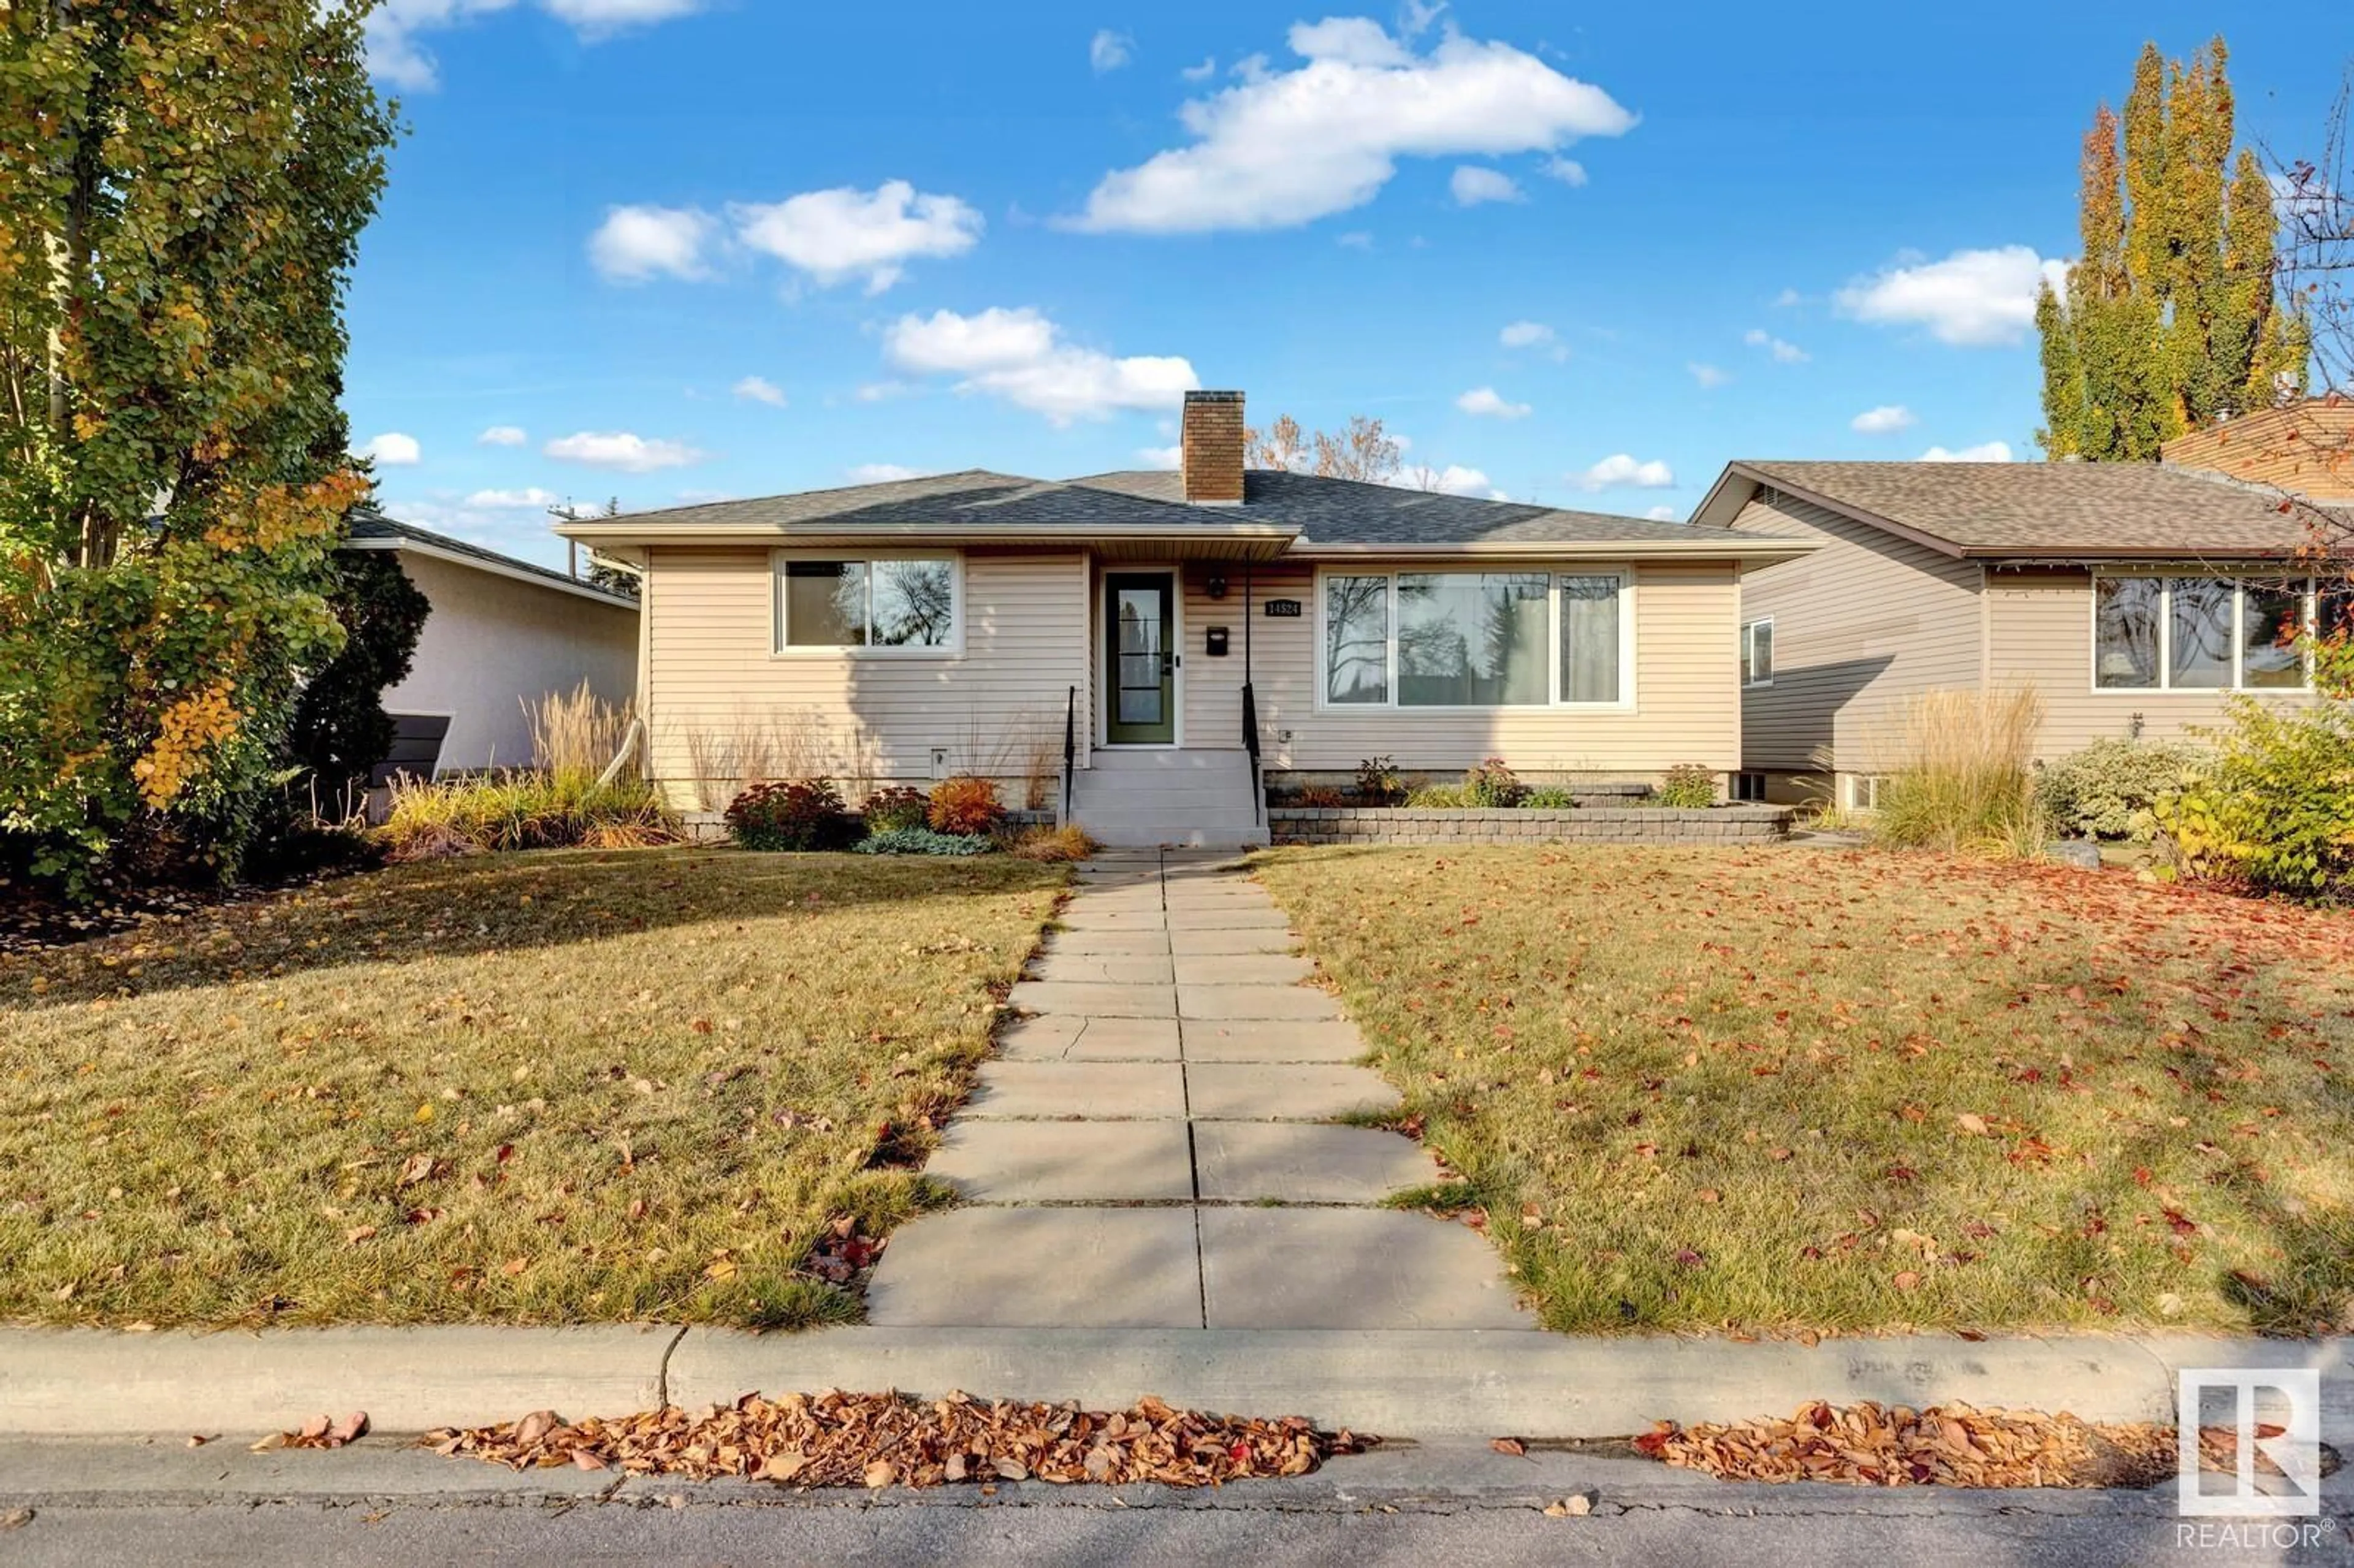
<point x="2194" y="634"/>
<point x="1474" y="639"/>
<point x="899" y="603"/>
<point x="1757" y="653"/>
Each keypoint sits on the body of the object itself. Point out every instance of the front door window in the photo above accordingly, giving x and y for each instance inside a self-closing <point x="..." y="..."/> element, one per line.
<point x="1143" y="674"/>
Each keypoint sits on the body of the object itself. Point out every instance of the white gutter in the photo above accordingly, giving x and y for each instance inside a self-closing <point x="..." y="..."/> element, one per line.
<point x="497" y="569"/>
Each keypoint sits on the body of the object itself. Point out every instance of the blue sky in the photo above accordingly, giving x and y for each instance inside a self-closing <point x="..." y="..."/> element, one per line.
<point x="665" y="250"/>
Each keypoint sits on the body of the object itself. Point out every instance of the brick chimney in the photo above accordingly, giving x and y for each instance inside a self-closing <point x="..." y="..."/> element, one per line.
<point x="1210" y="461"/>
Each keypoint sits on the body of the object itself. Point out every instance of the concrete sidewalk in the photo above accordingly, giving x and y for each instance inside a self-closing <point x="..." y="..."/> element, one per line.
<point x="1421" y="1383"/>
<point x="1154" y="1148"/>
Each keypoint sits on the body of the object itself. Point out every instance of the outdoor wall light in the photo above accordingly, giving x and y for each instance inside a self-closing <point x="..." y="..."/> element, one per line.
<point x="1217" y="585"/>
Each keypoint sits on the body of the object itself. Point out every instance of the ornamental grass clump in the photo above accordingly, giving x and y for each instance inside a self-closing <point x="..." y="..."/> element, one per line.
<point x="1965" y="782"/>
<point x="494" y="813"/>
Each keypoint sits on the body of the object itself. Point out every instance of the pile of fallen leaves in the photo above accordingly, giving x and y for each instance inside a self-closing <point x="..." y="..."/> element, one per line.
<point x="1871" y="1444"/>
<point x="836" y="1439"/>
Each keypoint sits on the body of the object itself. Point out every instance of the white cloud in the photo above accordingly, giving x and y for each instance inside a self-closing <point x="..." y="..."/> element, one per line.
<point x="621" y="450"/>
<point x="1786" y="298"/>
<point x="1568" y="171"/>
<point x="1783" y="353"/>
<point x="1020" y="356"/>
<point x="1525" y="334"/>
<point x="635" y="243"/>
<point x="1486" y="402"/>
<point x="1456" y="479"/>
<point x="882" y="391"/>
<point x="501" y="436"/>
<point x="1621" y="471"/>
<point x="392" y="449"/>
<point x="1203" y="72"/>
<point x="834" y="235"/>
<point x="1972" y="298"/>
<point x="1661" y="514"/>
<point x="531" y="500"/>
<point x="882" y="472"/>
<point x="1162" y="457"/>
<point x="1709" y="375"/>
<point x="1355" y="239"/>
<point x="1109" y="50"/>
<point x="396" y="55"/>
<point x="759" y="389"/>
<point x="1984" y="452"/>
<point x="1471" y="185"/>
<point x="1886" y="421"/>
<point x="1284" y="148"/>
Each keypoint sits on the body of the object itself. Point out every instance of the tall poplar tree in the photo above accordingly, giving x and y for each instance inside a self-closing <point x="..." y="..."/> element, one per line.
<point x="181" y="198"/>
<point x="2170" y="319"/>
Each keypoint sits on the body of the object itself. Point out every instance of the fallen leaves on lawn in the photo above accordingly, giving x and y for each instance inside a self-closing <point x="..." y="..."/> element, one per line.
<point x="841" y="1253"/>
<point x="876" y="1440"/>
<point x="1871" y="1444"/>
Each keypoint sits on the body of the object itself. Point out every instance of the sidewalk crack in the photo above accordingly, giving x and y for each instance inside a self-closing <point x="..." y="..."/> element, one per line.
<point x="661" y="1373"/>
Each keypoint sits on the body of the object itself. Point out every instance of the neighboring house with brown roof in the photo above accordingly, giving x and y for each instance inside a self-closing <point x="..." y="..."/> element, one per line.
<point x="1197" y="630"/>
<point x="503" y="632"/>
<point x="2133" y="597"/>
<point x="2306" y="447"/>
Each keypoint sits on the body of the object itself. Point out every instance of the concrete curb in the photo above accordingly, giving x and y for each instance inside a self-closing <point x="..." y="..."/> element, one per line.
<point x="1400" y="1384"/>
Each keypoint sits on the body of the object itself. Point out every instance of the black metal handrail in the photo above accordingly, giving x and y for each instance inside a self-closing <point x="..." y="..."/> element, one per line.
<point x="1250" y="745"/>
<point x="1070" y="747"/>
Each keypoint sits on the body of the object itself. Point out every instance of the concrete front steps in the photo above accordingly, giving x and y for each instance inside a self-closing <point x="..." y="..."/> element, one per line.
<point x="1187" y="798"/>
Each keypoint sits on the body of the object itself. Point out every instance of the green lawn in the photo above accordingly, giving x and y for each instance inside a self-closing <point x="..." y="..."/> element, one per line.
<point x="1788" y="1091"/>
<point x="547" y="1088"/>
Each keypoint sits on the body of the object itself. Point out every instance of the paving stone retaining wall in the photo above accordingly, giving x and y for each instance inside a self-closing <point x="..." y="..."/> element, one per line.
<point x="1610" y="824"/>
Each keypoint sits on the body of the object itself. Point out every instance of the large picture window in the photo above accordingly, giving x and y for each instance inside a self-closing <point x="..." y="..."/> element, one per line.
<point x="1474" y="639"/>
<point x="2199" y="634"/>
<point x="897" y="603"/>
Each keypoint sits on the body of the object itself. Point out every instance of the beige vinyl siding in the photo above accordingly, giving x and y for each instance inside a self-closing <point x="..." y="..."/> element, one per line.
<point x="2040" y="633"/>
<point x="1684" y="677"/>
<point x="710" y="665"/>
<point x="1859" y="626"/>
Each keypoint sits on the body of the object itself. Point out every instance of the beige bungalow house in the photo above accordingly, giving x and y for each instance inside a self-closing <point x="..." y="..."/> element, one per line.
<point x="1180" y="637"/>
<point x="2134" y="598"/>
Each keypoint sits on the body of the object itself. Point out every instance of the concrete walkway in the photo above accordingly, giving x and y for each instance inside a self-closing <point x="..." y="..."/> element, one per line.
<point x="1155" y="1150"/>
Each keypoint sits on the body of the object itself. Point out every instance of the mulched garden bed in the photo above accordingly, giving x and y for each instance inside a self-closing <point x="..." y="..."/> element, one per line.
<point x="876" y="1440"/>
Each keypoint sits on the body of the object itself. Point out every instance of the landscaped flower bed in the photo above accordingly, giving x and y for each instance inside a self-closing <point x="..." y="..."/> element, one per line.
<point x="1525" y="824"/>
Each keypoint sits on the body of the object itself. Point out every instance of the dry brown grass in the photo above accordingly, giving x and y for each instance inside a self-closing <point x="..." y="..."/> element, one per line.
<point x="1783" y="1090"/>
<point x="542" y="1088"/>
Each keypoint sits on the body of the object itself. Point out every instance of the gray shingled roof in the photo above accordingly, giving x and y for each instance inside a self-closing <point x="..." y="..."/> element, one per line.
<point x="1349" y="512"/>
<point x="1325" y="511"/>
<point x="2088" y="509"/>
<point x="376" y="525"/>
<point x="972" y="497"/>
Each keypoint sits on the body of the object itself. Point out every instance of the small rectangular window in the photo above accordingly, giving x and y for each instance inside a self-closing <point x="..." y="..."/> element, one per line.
<point x="1589" y="639"/>
<point x="904" y="603"/>
<point x="1757" y="653"/>
<point x="1356" y="640"/>
<point x="2271" y="631"/>
<point x="1749" y="786"/>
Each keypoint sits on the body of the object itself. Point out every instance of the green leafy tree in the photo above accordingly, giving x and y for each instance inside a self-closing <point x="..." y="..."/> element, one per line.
<point x="181" y="193"/>
<point x="340" y="730"/>
<point x="2171" y="317"/>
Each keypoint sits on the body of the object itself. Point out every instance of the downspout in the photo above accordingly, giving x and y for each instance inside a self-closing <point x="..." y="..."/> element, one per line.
<point x="1250" y="700"/>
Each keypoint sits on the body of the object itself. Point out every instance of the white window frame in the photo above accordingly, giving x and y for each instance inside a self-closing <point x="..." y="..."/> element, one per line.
<point x="1749" y="652"/>
<point x="779" y="649"/>
<point x="2165" y="686"/>
<point x="1555" y="571"/>
<point x="1864" y="789"/>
